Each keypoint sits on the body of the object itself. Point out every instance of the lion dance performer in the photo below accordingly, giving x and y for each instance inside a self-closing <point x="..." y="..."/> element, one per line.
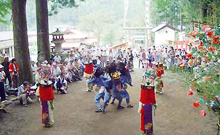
<point x="159" y="73"/>
<point x="99" y="80"/>
<point x="147" y="102"/>
<point x="46" y="98"/>
<point x="88" y="74"/>
<point x="118" y="86"/>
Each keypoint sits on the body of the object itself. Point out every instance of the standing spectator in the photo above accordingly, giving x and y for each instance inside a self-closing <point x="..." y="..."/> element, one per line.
<point x="172" y="56"/>
<point x="104" y="56"/>
<point x="6" y="64"/>
<point x="57" y="58"/>
<point x="2" y="87"/>
<point x="157" y="56"/>
<point x="23" y="93"/>
<point x="140" y="57"/>
<point x="127" y="58"/>
<point x="118" y="54"/>
<point x="34" y="68"/>
<point x="165" y="58"/>
<point x="183" y="53"/>
<point x="93" y="56"/>
<point x="154" y="52"/>
<point x="124" y="55"/>
<point x="13" y="70"/>
<point x="150" y="56"/>
<point x="2" y="57"/>
<point x="178" y="52"/>
<point x="131" y="59"/>
<point x="143" y="57"/>
<point x="110" y="56"/>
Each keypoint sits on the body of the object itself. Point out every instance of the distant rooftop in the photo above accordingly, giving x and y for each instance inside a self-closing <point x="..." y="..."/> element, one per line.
<point x="163" y="25"/>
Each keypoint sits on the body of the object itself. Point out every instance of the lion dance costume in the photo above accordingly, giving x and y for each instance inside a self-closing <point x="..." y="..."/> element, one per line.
<point x="147" y="102"/>
<point x="88" y="74"/>
<point x="46" y="97"/>
<point x="159" y="73"/>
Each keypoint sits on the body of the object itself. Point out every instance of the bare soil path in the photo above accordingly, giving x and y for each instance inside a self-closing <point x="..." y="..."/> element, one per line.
<point x="74" y="114"/>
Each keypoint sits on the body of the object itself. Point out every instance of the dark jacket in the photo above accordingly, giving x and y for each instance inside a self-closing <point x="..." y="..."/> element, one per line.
<point x="6" y="67"/>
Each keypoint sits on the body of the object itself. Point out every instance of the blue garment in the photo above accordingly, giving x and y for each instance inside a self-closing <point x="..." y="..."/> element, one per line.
<point x="60" y="82"/>
<point x="105" y="96"/>
<point x="110" y="84"/>
<point x="101" y="81"/>
<point x="124" y="94"/>
<point x="172" y="61"/>
<point x="97" y="99"/>
<point x="126" y="79"/>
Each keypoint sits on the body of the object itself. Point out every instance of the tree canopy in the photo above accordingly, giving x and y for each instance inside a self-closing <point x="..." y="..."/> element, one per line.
<point x="185" y="11"/>
<point x="5" y="8"/>
<point x="59" y="4"/>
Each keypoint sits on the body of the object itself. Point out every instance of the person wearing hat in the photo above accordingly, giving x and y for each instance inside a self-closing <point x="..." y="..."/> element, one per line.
<point x="13" y="70"/>
<point x="6" y="64"/>
<point x="2" y="87"/>
<point x="23" y="94"/>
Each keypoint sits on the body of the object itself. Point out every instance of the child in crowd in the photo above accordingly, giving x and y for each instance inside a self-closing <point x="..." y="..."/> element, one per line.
<point x="61" y="84"/>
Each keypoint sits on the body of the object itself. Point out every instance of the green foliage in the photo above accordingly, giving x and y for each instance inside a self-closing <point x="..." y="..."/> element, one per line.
<point x="185" y="11"/>
<point x="5" y="7"/>
<point x="165" y="10"/>
<point x="56" y="4"/>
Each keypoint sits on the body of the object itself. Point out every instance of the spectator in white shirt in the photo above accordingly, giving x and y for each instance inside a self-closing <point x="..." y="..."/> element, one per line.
<point x="23" y="93"/>
<point x="56" y="70"/>
<point x="57" y="58"/>
<point x="69" y="58"/>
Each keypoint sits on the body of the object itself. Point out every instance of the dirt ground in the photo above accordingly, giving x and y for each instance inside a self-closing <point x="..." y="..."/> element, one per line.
<point x="74" y="114"/>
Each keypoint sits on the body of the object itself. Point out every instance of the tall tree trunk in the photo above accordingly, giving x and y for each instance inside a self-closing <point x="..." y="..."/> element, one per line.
<point x="21" y="40"/>
<point x="42" y="30"/>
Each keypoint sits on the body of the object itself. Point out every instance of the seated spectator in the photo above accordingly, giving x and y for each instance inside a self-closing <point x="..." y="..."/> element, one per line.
<point x="55" y="71"/>
<point x="79" y="66"/>
<point x="66" y="72"/>
<point x="61" y="84"/>
<point x="69" y="58"/>
<point x="57" y="58"/>
<point x="74" y="72"/>
<point x="23" y="94"/>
